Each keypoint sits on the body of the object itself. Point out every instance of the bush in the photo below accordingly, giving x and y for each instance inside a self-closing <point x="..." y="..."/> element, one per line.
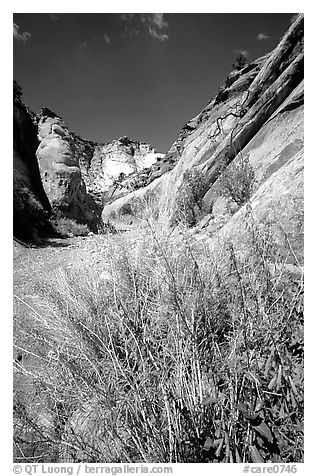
<point x="138" y="207"/>
<point x="189" y="207"/>
<point x="241" y="61"/>
<point x="237" y="181"/>
<point x="146" y="206"/>
<point x="104" y="228"/>
<point x="126" y="209"/>
<point x="177" y="355"/>
<point x="66" y="227"/>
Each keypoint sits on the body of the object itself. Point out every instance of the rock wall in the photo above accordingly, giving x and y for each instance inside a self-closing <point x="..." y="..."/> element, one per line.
<point x="118" y="167"/>
<point x="257" y="115"/>
<point x="59" y="155"/>
<point x="234" y="122"/>
<point x="31" y="206"/>
<point x="76" y="176"/>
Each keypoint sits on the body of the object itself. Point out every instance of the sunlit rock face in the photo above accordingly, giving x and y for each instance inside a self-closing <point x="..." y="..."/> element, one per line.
<point x="59" y="154"/>
<point x="257" y="115"/>
<point x="80" y="175"/>
<point x="116" y="168"/>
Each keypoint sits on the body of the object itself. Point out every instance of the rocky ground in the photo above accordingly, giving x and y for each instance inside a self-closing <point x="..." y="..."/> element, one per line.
<point x="59" y="254"/>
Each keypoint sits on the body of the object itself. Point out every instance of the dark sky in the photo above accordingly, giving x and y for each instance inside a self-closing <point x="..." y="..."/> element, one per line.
<point x="142" y="75"/>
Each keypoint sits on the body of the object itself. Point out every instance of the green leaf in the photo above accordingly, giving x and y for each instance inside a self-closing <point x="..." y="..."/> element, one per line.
<point x="272" y="383"/>
<point x="293" y="387"/>
<point x="255" y="455"/>
<point x="219" y="447"/>
<point x="238" y="459"/>
<point x="268" y="365"/>
<point x="264" y="431"/>
<point x="279" y="378"/>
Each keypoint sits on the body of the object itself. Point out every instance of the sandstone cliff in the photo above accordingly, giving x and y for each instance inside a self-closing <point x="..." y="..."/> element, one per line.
<point x="72" y="175"/>
<point x="80" y="175"/>
<point x="118" y="167"/>
<point x="257" y="116"/>
<point x="60" y="154"/>
<point x="31" y="206"/>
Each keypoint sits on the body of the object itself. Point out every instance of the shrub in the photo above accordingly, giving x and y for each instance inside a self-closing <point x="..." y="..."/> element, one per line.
<point x="126" y="209"/>
<point x="138" y="207"/>
<point x="237" y="181"/>
<point x="146" y="206"/>
<point x="240" y="62"/>
<point x="66" y="227"/>
<point x="189" y="207"/>
<point x="104" y="228"/>
<point x="179" y="355"/>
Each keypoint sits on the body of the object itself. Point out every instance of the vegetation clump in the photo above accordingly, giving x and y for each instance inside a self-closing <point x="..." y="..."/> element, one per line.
<point x="189" y="206"/>
<point x="237" y="181"/>
<point x="241" y="61"/>
<point x="177" y="355"/>
<point x="67" y="227"/>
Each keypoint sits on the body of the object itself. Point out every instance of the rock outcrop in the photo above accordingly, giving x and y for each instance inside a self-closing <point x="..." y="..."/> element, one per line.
<point x="31" y="206"/>
<point x="257" y="116"/>
<point x="70" y="175"/>
<point x="60" y="154"/>
<point x="118" y="167"/>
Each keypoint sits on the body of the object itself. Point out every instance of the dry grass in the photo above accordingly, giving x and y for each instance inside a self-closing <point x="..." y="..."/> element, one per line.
<point x="174" y="354"/>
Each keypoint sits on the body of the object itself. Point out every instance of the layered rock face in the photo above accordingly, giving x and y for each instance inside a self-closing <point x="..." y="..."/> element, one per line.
<point x="30" y="204"/>
<point x="118" y="167"/>
<point x="71" y="175"/>
<point x="257" y="116"/>
<point x="79" y="175"/>
<point x="59" y="154"/>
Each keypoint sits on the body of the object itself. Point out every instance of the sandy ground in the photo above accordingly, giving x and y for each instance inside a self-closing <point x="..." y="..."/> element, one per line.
<point x="29" y="264"/>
